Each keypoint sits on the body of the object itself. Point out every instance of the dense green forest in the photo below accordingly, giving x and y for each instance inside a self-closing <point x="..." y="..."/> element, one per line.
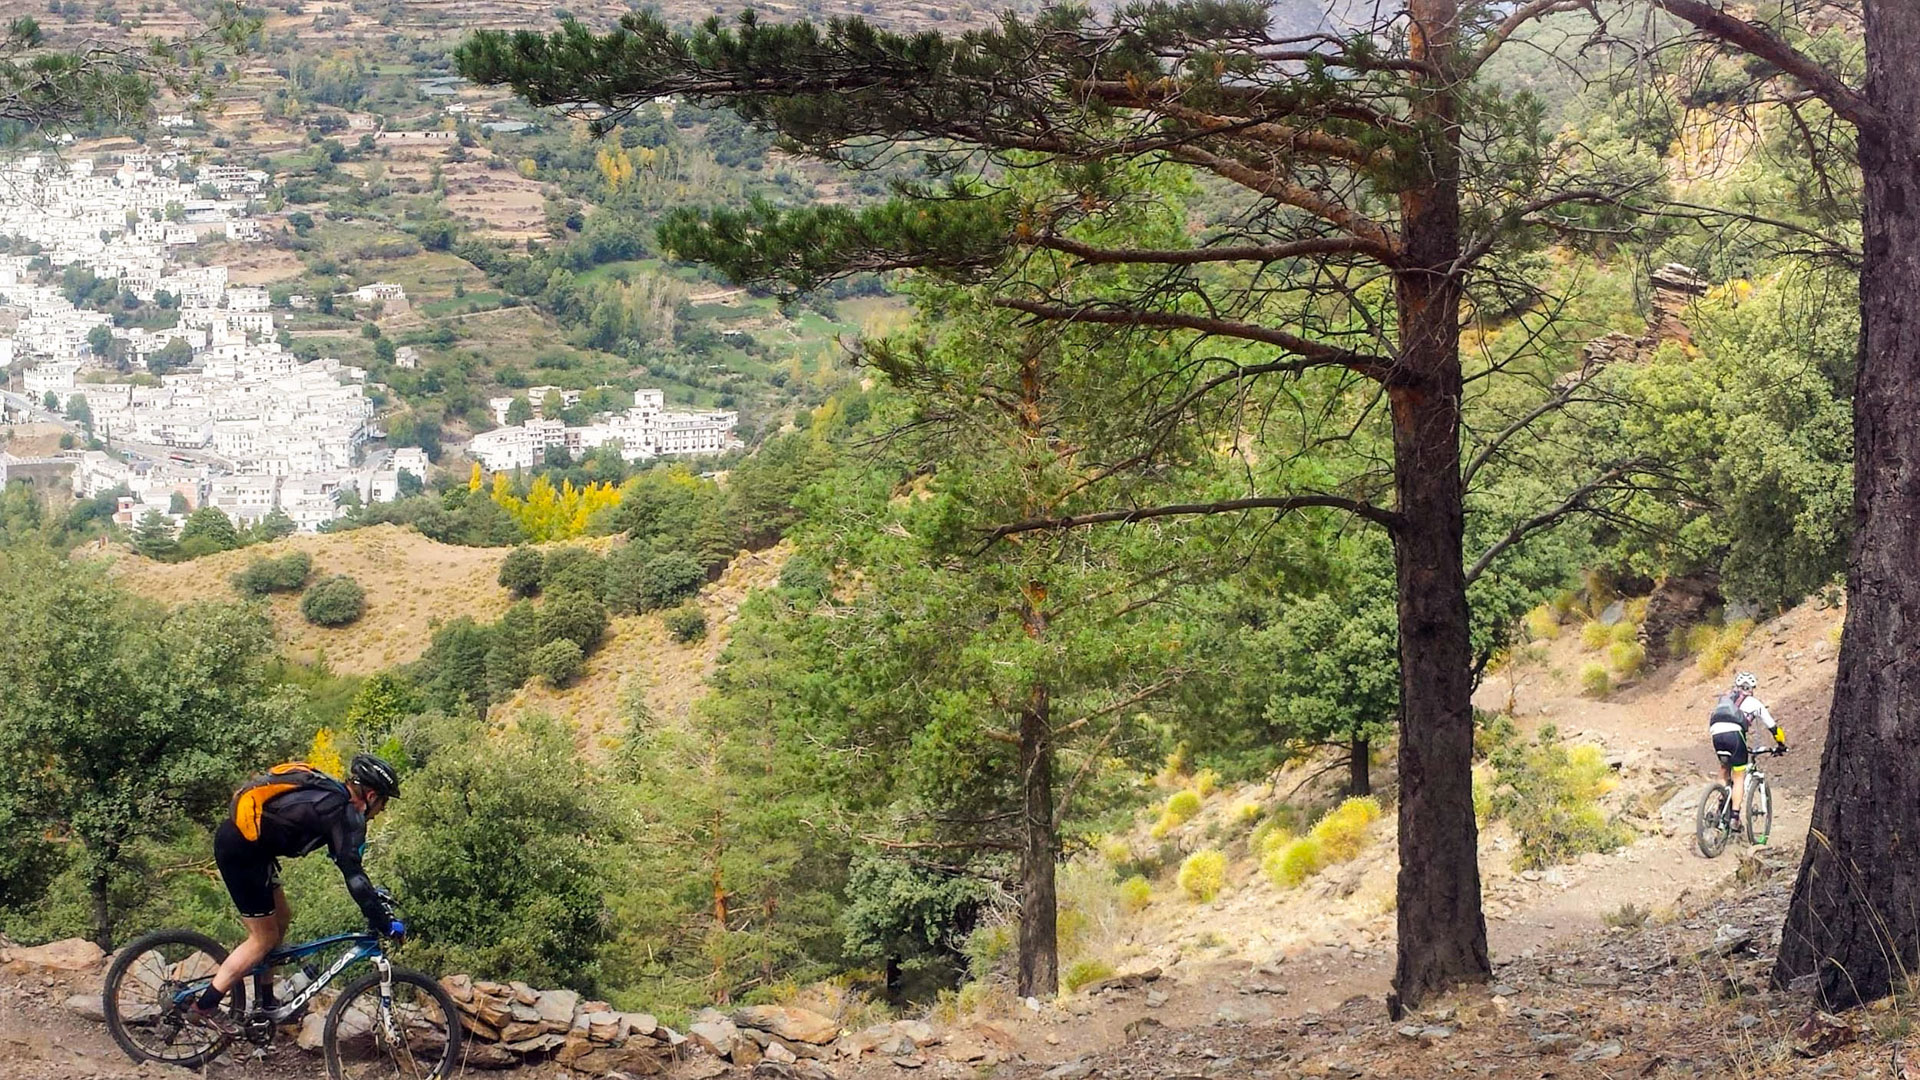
<point x="1132" y="490"/>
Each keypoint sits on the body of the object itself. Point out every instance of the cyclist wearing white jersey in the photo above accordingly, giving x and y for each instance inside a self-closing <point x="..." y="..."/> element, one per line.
<point x="1733" y="715"/>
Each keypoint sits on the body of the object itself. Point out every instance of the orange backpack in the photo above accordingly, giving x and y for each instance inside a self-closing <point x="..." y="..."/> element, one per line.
<point x="250" y="802"/>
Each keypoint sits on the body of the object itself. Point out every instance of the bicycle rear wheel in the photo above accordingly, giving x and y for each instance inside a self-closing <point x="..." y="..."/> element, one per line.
<point x="149" y="984"/>
<point x="1711" y="828"/>
<point x="1759" y="812"/>
<point x="420" y="1040"/>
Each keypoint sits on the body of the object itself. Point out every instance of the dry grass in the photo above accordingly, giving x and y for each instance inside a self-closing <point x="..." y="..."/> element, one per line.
<point x="639" y="652"/>
<point x="413" y="584"/>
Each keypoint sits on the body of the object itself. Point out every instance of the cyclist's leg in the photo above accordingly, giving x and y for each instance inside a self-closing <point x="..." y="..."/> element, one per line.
<point x="282" y="917"/>
<point x="252" y="881"/>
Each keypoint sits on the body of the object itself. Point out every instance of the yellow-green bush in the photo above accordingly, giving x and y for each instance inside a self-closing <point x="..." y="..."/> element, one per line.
<point x="1595" y="635"/>
<point x="1267" y="837"/>
<point x="1293" y="863"/>
<point x="1336" y="838"/>
<point x="1343" y="832"/>
<point x="1834" y="635"/>
<point x="1626" y="658"/>
<point x="1203" y="875"/>
<point x="1726" y="645"/>
<point x="1483" y="781"/>
<point x="1541" y="622"/>
<point x="1081" y="972"/>
<point x="1248" y="812"/>
<point x="1637" y="609"/>
<point x="1136" y="893"/>
<point x="1180" y="809"/>
<point x="1594" y="681"/>
<point x="1698" y="638"/>
<point x="1623" y="631"/>
<point x="1564" y="602"/>
<point x="1206" y="782"/>
<point x="1115" y="852"/>
<point x="1548" y="793"/>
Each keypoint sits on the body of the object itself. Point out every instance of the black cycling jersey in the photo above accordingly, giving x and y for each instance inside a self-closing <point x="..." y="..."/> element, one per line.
<point x="306" y="819"/>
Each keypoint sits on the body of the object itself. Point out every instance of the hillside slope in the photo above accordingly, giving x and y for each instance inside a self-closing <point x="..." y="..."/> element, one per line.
<point x="413" y="584"/>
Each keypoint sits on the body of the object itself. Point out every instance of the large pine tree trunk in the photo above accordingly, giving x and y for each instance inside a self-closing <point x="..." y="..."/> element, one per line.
<point x="1442" y="934"/>
<point x="1854" y="922"/>
<point x="1039" y="945"/>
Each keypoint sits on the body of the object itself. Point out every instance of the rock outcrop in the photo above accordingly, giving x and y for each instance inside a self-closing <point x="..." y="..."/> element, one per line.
<point x="512" y="1024"/>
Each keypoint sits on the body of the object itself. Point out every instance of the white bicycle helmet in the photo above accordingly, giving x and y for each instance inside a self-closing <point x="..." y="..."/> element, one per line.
<point x="1747" y="681"/>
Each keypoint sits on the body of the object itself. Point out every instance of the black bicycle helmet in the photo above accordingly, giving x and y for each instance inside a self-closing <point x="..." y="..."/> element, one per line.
<point x="375" y="775"/>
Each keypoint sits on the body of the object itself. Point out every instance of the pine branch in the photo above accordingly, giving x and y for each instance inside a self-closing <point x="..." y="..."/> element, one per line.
<point x="1312" y="353"/>
<point x="1759" y="40"/>
<point x="1282" y="503"/>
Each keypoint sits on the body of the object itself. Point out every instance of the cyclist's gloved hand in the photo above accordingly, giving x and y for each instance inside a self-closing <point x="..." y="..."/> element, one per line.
<point x="397" y="930"/>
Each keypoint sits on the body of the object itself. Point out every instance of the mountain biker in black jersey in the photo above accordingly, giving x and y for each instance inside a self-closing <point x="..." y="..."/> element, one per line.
<point x="1733" y="715"/>
<point x="293" y="819"/>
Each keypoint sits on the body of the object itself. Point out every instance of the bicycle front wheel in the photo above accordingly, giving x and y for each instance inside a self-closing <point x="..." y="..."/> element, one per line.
<point x="148" y="986"/>
<point x="1711" y="828"/>
<point x="1759" y="812"/>
<point x="418" y="1039"/>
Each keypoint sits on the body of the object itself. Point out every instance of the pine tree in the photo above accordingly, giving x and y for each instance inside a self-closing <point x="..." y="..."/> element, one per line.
<point x="153" y="536"/>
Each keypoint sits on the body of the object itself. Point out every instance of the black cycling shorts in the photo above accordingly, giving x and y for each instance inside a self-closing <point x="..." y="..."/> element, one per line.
<point x="250" y="874"/>
<point x="1731" y="746"/>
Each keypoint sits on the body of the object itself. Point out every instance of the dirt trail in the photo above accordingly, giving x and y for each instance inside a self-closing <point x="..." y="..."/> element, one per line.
<point x="1652" y="729"/>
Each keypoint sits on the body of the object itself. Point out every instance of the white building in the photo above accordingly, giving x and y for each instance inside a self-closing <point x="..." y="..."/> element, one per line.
<point x="642" y="432"/>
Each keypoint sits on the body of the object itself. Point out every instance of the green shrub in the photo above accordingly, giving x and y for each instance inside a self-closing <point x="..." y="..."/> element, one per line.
<point x="1136" y="893"/>
<point x="286" y="574"/>
<point x="1248" y="812"/>
<point x="1627" y="657"/>
<point x="1203" y="875"/>
<point x="656" y="581"/>
<point x="1595" y="682"/>
<point x="576" y="616"/>
<point x="335" y="601"/>
<point x="686" y="623"/>
<point x="1623" y="632"/>
<point x="521" y="571"/>
<point x="1081" y="972"/>
<point x="501" y="853"/>
<point x="1595" y="635"/>
<point x="1206" y="782"/>
<point x="1288" y="866"/>
<point x="558" y="662"/>
<point x="1637" y="609"/>
<point x="572" y="568"/>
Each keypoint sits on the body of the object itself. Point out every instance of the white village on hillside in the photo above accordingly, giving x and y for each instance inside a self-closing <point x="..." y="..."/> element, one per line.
<point x="236" y="421"/>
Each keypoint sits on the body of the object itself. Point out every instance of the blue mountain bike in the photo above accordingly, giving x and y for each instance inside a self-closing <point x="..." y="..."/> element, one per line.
<point x="389" y="1022"/>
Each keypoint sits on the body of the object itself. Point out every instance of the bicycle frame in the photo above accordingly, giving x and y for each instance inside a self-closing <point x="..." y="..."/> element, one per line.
<point x="363" y="946"/>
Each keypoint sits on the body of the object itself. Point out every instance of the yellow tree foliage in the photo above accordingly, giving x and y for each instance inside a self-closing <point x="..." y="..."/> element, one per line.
<point x="324" y="754"/>
<point x="549" y="513"/>
<point x="615" y="166"/>
<point x="475" y="477"/>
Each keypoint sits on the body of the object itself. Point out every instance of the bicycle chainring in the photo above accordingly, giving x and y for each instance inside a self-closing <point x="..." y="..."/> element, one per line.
<point x="258" y="1029"/>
